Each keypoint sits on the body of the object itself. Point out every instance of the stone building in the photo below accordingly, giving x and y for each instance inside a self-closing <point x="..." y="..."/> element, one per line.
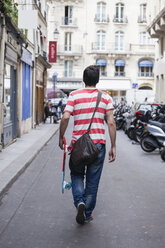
<point x="156" y="27"/>
<point x="110" y="34"/>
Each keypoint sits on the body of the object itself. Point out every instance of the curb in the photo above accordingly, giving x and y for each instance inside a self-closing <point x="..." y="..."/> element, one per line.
<point x="20" y="164"/>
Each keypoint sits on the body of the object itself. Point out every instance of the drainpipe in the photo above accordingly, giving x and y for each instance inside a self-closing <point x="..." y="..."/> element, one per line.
<point x="2" y="57"/>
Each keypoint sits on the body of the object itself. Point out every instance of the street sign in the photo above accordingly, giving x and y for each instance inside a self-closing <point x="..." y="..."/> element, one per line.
<point x="134" y="85"/>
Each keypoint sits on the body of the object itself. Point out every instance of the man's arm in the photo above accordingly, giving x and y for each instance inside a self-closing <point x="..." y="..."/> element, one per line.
<point x="112" y="133"/>
<point x="63" y="127"/>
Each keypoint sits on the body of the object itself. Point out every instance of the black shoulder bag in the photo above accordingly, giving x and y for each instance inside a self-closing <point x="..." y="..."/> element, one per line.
<point x="84" y="150"/>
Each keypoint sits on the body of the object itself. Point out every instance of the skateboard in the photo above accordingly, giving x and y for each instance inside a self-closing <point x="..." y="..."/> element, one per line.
<point x="65" y="185"/>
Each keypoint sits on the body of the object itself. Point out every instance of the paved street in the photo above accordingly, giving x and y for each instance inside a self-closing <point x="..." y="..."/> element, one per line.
<point x="130" y="211"/>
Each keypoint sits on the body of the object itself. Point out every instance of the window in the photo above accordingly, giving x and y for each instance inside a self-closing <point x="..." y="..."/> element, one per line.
<point x="101" y="12"/>
<point x="7" y="94"/>
<point x="101" y="63"/>
<point x="68" y="68"/>
<point x="68" y="41"/>
<point x="145" y="68"/>
<point x="68" y="15"/>
<point x="119" y="67"/>
<point x="142" y="17"/>
<point x="101" y="40"/>
<point x="161" y="46"/>
<point x="119" y="17"/>
<point x="119" y="41"/>
<point x="145" y="39"/>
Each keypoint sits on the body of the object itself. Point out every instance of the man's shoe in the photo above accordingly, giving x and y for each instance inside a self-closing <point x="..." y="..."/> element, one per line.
<point x="89" y="220"/>
<point x="80" y="218"/>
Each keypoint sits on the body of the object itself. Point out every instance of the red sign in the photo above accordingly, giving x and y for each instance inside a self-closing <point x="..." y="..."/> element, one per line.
<point x="52" y="51"/>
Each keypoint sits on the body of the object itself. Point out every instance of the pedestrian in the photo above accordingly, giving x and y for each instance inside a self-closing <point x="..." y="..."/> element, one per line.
<point x="48" y="112"/>
<point x="81" y="104"/>
<point x="60" y="108"/>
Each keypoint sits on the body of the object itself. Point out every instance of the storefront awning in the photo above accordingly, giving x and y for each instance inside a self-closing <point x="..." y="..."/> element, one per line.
<point x="119" y="62"/>
<point x="101" y="62"/>
<point x="114" y="84"/>
<point x="145" y="63"/>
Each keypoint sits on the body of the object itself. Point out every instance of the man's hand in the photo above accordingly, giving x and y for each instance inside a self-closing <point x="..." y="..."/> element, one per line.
<point x="63" y="127"/>
<point x="112" y="154"/>
<point x="61" y="143"/>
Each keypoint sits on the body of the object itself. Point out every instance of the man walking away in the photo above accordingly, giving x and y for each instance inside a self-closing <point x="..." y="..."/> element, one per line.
<point x="81" y="104"/>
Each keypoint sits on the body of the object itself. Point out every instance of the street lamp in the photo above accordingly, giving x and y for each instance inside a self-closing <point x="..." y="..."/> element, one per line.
<point x="54" y="80"/>
<point x="56" y="34"/>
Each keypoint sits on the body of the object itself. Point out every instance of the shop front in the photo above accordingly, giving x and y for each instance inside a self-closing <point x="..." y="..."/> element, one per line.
<point x="10" y="97"/>
<point x="116" y="88"/>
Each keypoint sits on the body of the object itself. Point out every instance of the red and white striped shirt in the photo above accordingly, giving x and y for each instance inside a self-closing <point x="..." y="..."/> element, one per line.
<point x="81" y="104"/>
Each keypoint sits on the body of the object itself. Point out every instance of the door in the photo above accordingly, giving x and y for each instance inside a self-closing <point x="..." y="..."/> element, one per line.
<point x="10" y="104"/>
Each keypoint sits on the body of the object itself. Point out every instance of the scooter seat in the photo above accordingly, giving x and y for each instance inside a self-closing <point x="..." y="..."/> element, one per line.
<point x="158" y="124"/>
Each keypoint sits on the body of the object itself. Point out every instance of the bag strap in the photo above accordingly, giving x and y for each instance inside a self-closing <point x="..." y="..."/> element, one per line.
<point x="97" y="104"/>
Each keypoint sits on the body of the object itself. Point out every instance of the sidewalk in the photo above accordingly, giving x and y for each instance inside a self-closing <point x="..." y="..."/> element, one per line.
<point x="15" y="158"/>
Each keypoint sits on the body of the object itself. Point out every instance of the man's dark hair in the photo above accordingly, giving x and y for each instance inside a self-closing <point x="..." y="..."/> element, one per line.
<point x="91" y="75"/>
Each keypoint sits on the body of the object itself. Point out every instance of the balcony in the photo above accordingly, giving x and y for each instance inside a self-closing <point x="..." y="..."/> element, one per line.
<point x="119" y="73"/>
<point x="69" y="50"/>
<point x="156" y="27"/>
<point x="145" y="74"/>
<point x="120" y="20"/>
<point x="100" y="48"/>
<point x="110" y="48"/>
<point x="102" y="20"/>
<point x="142" y="19"/>
<point x="143" y="49"/>
<point x="69" y="22"/>
<point x="69" y="84"/>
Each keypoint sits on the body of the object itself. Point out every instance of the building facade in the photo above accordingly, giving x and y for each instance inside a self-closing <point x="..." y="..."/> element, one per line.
<point x="156" y="26"/>
<point x="110" y="34"/>
<point x="23" y="69"/>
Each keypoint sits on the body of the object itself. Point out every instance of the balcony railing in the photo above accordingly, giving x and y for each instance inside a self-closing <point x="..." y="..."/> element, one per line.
<point x="67" y="21"/>
<point x="69" y="50"/>
<point x="120" y="19"/>
<point x="110" y="48"/>
<point x="101" y="19"/>
<point x="142" y="19"/>
<point x="119" y="73"/>
<point x="146" y="74"/>
<point x="69" y="74"/>
<point x="69" y="84"/>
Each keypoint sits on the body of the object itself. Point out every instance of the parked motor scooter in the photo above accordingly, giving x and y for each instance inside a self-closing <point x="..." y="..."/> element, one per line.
<point x="153" y="137"/>
<point x="136" y="128"/>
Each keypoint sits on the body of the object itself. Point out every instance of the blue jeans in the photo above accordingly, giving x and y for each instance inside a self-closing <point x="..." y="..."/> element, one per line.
<point x="87" y="192"/>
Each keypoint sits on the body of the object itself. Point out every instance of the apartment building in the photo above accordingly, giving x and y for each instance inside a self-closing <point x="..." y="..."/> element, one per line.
<point x="110" y="34"/>
<point x="156" y="30"/>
